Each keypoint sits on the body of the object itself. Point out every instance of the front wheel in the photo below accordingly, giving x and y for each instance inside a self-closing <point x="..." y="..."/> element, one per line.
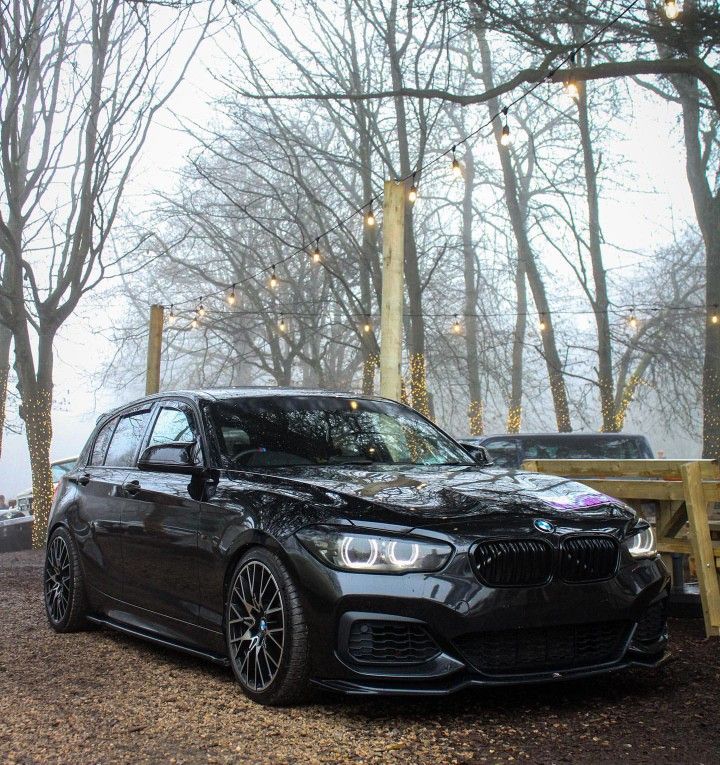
<point x="266" y="631"/>
<point x="63" y="583"/>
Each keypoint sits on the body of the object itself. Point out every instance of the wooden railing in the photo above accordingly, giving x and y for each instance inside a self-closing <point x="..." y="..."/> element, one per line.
<point x="682" y="490"/>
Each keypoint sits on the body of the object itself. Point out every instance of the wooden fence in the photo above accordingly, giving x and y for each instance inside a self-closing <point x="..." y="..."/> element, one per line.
<point x="682" y="491"/>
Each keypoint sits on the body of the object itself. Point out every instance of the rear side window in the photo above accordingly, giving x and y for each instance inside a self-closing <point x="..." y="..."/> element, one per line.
<point x="126" y="440"/>
<point x="101" y="443"/>
<point x="504" y="452"/>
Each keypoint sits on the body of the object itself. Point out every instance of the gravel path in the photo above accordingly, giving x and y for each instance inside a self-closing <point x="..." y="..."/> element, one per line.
<point x="100" y="697"/>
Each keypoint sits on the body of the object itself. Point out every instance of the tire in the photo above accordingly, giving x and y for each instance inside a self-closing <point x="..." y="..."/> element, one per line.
<point x="266" y="632"/>
<point x="64" y="584"/>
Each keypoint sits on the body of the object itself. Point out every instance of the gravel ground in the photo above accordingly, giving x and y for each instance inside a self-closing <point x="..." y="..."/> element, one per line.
<point x="100" y="697"/>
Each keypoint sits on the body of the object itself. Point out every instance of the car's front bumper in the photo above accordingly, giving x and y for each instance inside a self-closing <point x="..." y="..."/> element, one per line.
<point x="483" y="635"/>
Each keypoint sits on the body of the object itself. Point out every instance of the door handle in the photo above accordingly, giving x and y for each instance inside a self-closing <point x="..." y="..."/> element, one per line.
<point x="132" y="488"/>
<point x="83" y="479"/>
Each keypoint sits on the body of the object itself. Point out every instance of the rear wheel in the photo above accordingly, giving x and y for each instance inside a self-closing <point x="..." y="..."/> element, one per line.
<point x="63" y="584"/>
<point x="266" y="631"/>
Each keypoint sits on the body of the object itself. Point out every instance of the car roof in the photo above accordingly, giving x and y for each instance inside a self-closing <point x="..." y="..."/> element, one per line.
<point x="219" y="394"/>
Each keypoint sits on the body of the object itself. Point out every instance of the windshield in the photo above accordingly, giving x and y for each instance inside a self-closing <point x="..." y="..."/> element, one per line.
<point x="323" y="430"/>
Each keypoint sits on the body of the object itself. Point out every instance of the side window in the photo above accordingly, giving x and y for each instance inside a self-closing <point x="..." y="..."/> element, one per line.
<point x="503" y="451"/>
<point x="173" y="425"/>
<point x="126" y="440"/>
<point x="101" y="443"/>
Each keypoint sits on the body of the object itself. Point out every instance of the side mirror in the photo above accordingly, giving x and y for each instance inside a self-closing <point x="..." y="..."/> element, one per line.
<point x="479" y="453"/>
<point x="174" y="457"/>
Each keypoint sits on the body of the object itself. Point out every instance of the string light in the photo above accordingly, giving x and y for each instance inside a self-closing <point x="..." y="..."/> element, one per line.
<point x="370" y="216"/>
<point x="455" y="166"/>
<point x="543" y="324"/>
<point x="714" y="317"/>
<point x="570" y="87"/>
<point x="231" y="296"/>
<point x="505" y="137"/>
<point x="457" y="328"/>
<point x="367" y="327"/>
<point x="413" y="193"/>
<point x="171" y="316"/>
<point x="281" y="324"/>
<point x="273" y="279"/>
<point x="632" y="319"/>
<point x="194" y="324"/>
<point x="672" y="10"/>
<point x="316" y="253"/>
<point x="201" y="311"/>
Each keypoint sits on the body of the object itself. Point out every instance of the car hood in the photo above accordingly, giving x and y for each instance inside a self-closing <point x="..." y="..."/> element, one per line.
<point x="418" y="493"/>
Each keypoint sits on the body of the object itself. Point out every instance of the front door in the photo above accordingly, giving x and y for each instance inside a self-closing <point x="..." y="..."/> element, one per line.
<point x="160" y="523"/>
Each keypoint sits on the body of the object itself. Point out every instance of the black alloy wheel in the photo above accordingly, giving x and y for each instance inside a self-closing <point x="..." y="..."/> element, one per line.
<point x="63" y="584"/>
<point x="266" y="631"/>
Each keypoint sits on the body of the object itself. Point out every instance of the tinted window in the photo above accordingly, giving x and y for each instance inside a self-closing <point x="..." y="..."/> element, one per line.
<point x="318" y="430"/>
<point x="582" y="447"/>
<point x="126" y="440"/>
<point x="503" y="451"/>
<point x="101" y="443"/>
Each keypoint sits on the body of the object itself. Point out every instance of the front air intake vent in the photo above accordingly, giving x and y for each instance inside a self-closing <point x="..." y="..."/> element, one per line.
<point x="513" y="562"/>
<point x="381" y="642"/>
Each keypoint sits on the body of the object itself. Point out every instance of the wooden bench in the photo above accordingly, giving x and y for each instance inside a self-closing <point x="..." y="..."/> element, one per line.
<point x="682" y="491"/>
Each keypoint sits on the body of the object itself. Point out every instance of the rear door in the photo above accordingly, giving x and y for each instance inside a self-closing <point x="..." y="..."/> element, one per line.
<point x="101" y="499"/>
<point x="161" y="526"/>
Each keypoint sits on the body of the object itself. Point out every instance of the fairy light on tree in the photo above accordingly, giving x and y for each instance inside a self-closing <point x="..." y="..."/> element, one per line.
<point x="231" y="298"/>
<point x="715" y="316"/>
<point x="542" y="325"/>
<point x="476" y="418"/>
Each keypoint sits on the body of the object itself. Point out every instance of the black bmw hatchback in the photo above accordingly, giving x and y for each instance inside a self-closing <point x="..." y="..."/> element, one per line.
<point x="314" y="538"/>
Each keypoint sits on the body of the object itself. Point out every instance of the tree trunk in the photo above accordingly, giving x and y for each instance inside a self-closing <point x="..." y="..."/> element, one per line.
<point x="514" y="417"/>
<point x="5" y="338"/>
<point x="600" y="302"/>
<point x="475" y="407"/>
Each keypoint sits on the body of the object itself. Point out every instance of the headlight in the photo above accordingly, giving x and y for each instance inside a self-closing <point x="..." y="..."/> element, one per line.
<point x="353" y="550"/>
<point x="642" y="544"/>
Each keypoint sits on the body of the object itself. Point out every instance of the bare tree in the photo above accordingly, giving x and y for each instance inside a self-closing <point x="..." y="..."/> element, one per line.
<point x="81" y="83"/>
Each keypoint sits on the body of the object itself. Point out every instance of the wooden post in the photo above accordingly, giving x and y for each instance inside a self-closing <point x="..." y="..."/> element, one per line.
<point x="393" y="289"/>
<point x="697" y="504"/>
<point x="152" y="376"/>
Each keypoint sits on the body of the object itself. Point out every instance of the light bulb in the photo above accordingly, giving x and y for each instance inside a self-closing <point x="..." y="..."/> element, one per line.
<point x="672" y="10"/>
<point x="367" y="327"/>
<point x="457" y="329"/>
<point x="281" y="324"/>
<point x="543" y="324"/>
<point x="505" y="137"/>
<point x="201" y="310"/>
<point x="571" y="90"/>
<point x="231" y="297"/>
<point x="632" y="321"/>
<point x="171" y="316"/>
<point x="370" y="217"/>
<point x="273" y="279"/>
<point x="715" y="319"/>
<point x="413" y="193"/>
<point x="316" y="252"/>
<point x="194" y="323"/>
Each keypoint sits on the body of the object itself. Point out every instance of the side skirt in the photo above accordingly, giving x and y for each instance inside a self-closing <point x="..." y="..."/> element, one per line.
<point x="134" y="632"/>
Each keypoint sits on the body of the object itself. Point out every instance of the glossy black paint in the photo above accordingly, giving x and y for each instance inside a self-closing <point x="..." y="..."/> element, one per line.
<point x="158" y="548"/>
